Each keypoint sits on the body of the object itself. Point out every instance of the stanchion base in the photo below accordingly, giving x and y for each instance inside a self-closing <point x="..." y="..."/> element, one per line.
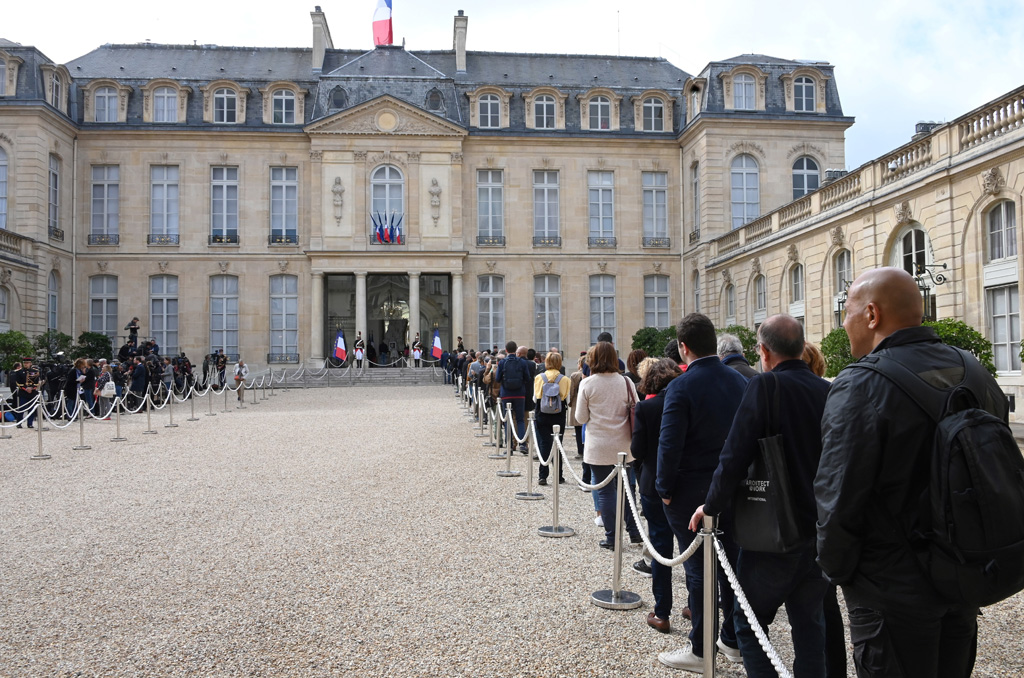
<point x="192" y="419"/>
<point x="5" y="437"/>
<point x="82" y="447"/>
<point x="529" y="496"/>
<point x="118" y="440"/>
<point x="170" y="426"/>
<point x="150" y="433"/>
<point x="509" y="474"/>
<point x="211" y="414"/>
<point x="490" y="445"/>
<point x="38" y="457"/>
<point x="552" y="531"/>
<point x="497" y="456"/>
<point x="477" y="435"/>
<point x="606" y="598"/>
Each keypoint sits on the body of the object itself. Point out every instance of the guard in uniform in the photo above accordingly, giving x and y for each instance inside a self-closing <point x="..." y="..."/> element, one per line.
<point x="360" y="347"/>
<point x="417" y="349"/>
<point x="27" y="381"/>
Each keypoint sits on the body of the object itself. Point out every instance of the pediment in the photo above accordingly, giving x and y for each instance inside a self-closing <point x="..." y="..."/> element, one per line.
<point x="385" y="116"/>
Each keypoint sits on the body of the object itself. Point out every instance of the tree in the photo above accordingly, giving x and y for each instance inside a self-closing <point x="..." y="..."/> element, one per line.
<point x="652" y="340"/>
<point x="748" y="338"/>
<point x="13" y="347"/>
<point x="836" y="349"/>
<point x="960" y="334"/>
<point x="52" y="342"/>
<point x="93" y="345"/>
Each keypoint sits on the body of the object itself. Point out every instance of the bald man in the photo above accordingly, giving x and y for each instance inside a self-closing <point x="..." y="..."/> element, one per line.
<point x="876" y="453"/>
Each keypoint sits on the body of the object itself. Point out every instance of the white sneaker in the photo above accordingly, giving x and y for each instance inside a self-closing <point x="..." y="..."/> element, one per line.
<point x="599" y="521"/>
<point x="732" y="654"/>
<point x="683" y="658"/>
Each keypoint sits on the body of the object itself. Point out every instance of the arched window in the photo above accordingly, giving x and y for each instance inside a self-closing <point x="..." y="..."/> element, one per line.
<point x="284" y="316"/>
<point x="743" y="92"/>
<point x="913" y="251"/>
<point x="435" y="102"/>
<point x="656" y="300"/>
<point x="491" y="311"/>
<point x="805" y="177"/>
<point x="339" y="98"/>
<point x="760" y="295"/>
<point x="3" y="188"/>
<point x="284" y="107"/>
<point x="165" y="105"/>
<point x="57" y="91"/>
<point x="544" y="112"/>
<point x="730" y="304"/>
<point x="388" y="189"/>
<point x="1002" y="231"/>
<point x="224" y="314"/>
<point x="602" y="306"/>
<point x="803" y="95"/>
<point x="105" y="101"/>
<point x="103" y="305"/>
<point x="225" y="105"/>
<point x="547" y="312"/>
<point x="600" y="110"/>
<point x="844" y="271"/>
<point x="52" y="298"/>
<point x="654" y="115"/>
<point x="490" y="111"/>
<point x="163" y="312"/>
<point x="796" y="284"/>
<point x="746" y="194"/>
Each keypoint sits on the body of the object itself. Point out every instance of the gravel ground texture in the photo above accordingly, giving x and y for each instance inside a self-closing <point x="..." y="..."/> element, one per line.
<point x="321" y="532"/>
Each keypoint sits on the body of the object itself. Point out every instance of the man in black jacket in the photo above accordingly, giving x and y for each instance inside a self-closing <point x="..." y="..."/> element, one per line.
<point x="730" y="351"/>
<point x="875" y="459"/>
<point x="788" y="399"/>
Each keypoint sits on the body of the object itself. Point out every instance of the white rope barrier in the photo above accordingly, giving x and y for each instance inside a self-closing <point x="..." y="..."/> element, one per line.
<point x="572" y="471"/>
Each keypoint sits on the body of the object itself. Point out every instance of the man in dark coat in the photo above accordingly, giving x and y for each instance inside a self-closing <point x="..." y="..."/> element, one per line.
<point x="730" y="351"/>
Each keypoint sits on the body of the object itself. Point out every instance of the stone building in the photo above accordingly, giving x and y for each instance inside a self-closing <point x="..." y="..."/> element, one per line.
<point x="256" y="200"/>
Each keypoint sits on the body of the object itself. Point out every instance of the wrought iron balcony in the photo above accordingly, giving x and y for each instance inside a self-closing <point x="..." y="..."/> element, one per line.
<point x="657" y="242"/>
<point x="279" y="358"/>
<point x="224" y="239"/>
<point x="694" y="236"/>
<point x="490" y="241"/>
<point x="283" y="239"/>
<point x="56" y="234"/>
<point x="166" y="239"/>
<point x="601" y="242"/>
<point x="104" y="238"/>
<point x="547" y="241"/>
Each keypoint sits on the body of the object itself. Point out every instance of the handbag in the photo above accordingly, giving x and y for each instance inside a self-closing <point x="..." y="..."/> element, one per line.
<point x="109" y="390"/>
<point x="764" y="515"/>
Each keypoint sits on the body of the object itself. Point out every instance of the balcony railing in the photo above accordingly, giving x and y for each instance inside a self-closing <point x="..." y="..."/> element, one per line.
<point x="285" y="358"/>
<point x="608" y="242"/>
<point x="224" y="239"/>
<point x="104" y="238"/>
<point x="283" y="239"/>
<point x="56" y="234"/>
<point x="694" y="236"/>
<point x="490" y="241"/>
<point x="547" y="241"/>
<point x="164" y="239"/>
<point x="659" y="242"/>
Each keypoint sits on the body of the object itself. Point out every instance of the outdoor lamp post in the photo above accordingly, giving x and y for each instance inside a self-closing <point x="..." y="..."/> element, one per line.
<point x="926" y="278"/>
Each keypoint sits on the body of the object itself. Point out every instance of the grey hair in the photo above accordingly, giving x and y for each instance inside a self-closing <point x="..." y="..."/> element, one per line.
<point x="729" y="343"/>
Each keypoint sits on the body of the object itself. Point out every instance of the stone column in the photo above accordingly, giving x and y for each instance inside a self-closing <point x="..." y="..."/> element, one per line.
<point x="361" y="304"/>
<point x="414" y="305"/>
<point x="456" y="308"/>
<point x="317" y="300"/>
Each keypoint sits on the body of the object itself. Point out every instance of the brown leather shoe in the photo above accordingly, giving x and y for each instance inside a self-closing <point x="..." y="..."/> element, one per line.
<point x="662" y="625"/>
<point x="686" y="613"/>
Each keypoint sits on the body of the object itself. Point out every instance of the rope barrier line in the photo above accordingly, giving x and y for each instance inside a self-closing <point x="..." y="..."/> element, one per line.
<point x="668" y="562"/>
<point x="579" y="481"/>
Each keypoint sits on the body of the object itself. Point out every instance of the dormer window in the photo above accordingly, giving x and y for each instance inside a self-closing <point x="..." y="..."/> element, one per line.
<point x="544" y="112"/>
<point x="434" y="101"/>
<point x="56" y="90"/>
<point x="284" y="107"/>
<point x="803" y="95"/>
<point x="225" y="105"/>
<point x="490" y="111"/>
<point x="3" y="78"/>
<point x="743" y="92"/>
<point x="223" y="102"/>
<point x="600" y="111"/>
<point x="106" y="104"/>
<point x="339" y="98"/>
<point x="283" y="103"/>
<point x="654" y="115"/>
<point x="165" y="105"/>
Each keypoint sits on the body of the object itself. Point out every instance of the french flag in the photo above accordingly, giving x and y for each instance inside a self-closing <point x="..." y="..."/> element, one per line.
<point x="339" y="346"/>
<point x="436" y="350"/>
<point x="382" y="23"/>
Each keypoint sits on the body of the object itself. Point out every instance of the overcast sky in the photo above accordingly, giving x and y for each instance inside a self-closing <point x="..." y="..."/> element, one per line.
<point x="897" y="61"/>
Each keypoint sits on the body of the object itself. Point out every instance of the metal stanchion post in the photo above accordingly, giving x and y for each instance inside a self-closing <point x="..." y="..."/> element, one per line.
<point x="170" y="409"/>
<point x="149" y="424"/>
<point x="481" y="408"/>
<point x="492" y="422"/>
<point x="118" y="404"/>
<point x="225" y="389"/>
<point x="617" y="599"/>
<point x="272" y="394"/>
<point x="707" y="530"/>
<point x="495" y="431"/>
<point x="192" y="401"/>
<point x="529" y="495"/>
<point x="263" y="385"/>
<point x="209" y="401"/>
<point x="81" y="428"/>
<point x="3" y="418"/>
<point x="510" y="439"/>
<point x="554" y="529"/>
<point x="40" y="410"/>
<point x="253" y="395"/>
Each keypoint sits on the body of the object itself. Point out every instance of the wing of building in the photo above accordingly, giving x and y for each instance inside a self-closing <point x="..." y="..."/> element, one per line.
<point x="256" y="200"/>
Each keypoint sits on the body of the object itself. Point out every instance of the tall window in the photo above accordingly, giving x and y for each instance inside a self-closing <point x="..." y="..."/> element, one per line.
<point x="52" y="298"/>
<point x="1002" y="231"/>
<point x="284" y="314"/>
<point x="743" y="92"/>
<point x="1004" y="326"/>
<point x="602" y="306"/>
<point x="489" y="204"/>
<point x="695" y="190"/>
<point x="163" y="204"/>
<point x="655" y="188"/>
<point x="730" y="303"/>
<point x="696" y="291"/>
<point x="3" y="77"/>
<point x="796" y="284"/>
<point x="53" y="219"/>
<point x="105" y="204"/>
<point x="163" y="312"/>
<point x="844" y="271"/>
<point x="913" y="251"/>
<point x="656" y="301"/>
<point x="600" y="110"/>
<point x="57" y="90"/>
<point x="4" y="301"/>
<point x="224" y="313"/>
<point x="224" y="204"/>
<point x="803" y="95"/>
<point x="3" y="188"/>
<point x="387" y="187"/>
<point x="654" y="115"/>
<point x="760" y="294"/>
<point x="746" y="195"/>
<point x="489" y="109"/>
<point x="225" y="105"/>
<point x="103" y="305"/>
<point x="105" y="101"/>
<point x="283" y="102"/>
<point x="544" y="112"/>
<point x="601" y="199"/>
<point x="491" y="311"/>
<point x="165" y="105"/>
<point x="284" y="205"/>
<point x="547" y="313"/>
<point x="545" y="207"/>
<point x="805" y="177"/>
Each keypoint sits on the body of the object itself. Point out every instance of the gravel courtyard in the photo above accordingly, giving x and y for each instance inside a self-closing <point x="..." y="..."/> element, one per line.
<point x="322" y="532"/>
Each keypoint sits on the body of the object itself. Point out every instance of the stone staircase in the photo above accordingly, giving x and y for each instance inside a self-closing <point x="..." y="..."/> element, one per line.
<point x="386" y="376"/>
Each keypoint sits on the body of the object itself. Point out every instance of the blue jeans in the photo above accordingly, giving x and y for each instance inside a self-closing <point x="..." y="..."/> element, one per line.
<point x="518" y="413"/>
<point x="606" y="501"/>
<point x="662" y="539"/>
<point x="769" y="580"/>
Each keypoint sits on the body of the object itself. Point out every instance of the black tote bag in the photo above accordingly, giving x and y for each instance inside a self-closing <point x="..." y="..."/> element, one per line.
<point x="764" y="517"/>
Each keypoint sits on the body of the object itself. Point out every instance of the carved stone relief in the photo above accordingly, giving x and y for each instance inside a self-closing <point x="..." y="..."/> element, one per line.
<point x="316" y="156"/>
<point x="456" y="157"/>
<point x="727" y="277"/>
<point x="435" y="201"/>
<point x="903" y="213"/>
<point x="992" y="180"/>
<point x="283" y="265"/>
<point x="547" y="266"/>
<point x="657" y="267"/>
<point x="5" y="276"/>
<point x="223" y="266"/>
<point x="339" y="198"/>
<point x="491" y="265"/>
<point x="792" y="253"/>
<point x="162" y="265"/>
<point x="838" y="237"/>
<point x="603" y="265"/>
<point x="102" y="266"/>
<point x="755" y="265"/>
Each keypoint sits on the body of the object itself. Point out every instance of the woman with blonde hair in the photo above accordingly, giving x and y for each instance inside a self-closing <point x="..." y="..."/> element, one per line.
<point x="546" y="419"/>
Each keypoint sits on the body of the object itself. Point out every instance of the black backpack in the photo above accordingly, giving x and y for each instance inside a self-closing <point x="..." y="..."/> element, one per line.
<point x="512" y="374"/>
<point x="969" y="539"/>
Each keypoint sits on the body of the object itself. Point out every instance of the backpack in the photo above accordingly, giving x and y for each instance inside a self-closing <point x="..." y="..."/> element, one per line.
<point x="550" y="397"/>
<point x="969" y="539"/>
<point x="512" y="374"/>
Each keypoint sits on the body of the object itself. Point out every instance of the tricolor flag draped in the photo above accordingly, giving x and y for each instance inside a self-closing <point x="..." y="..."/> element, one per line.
<point x="339" y="346"/>
<point x="382" y="23"/>
<point x="436" y="350"/>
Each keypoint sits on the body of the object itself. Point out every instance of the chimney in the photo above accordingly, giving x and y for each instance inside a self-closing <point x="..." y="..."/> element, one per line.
<point x="321" y="38"/>
<point x="461" y="20"/>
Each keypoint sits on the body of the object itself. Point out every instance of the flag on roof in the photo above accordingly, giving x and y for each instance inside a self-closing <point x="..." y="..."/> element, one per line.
<point x="339" y="346"/>
<point x="382" y="23"/>
<point x="436" y="350"/>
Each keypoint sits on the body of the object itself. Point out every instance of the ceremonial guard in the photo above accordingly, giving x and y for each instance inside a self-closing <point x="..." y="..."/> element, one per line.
<point x="417" y="350"/>
<point x="360" y="347"/>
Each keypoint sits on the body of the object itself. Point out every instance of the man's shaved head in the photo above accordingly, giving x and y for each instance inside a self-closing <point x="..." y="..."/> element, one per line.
<point x="879" y="302"/>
